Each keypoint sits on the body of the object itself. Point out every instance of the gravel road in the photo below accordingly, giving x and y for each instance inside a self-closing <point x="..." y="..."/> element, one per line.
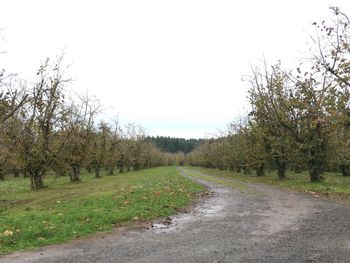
<point x="252" y="223"/>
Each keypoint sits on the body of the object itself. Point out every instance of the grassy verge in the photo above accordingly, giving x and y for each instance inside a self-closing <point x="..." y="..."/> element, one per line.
<point x="219" y="180"/>
<point x="67" y="210"/>
<point x="249" y="191"/>
<point x="334" y="185"/>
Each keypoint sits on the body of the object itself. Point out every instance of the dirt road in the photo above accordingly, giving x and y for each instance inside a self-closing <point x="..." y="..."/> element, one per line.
<point x="237" y="223"/>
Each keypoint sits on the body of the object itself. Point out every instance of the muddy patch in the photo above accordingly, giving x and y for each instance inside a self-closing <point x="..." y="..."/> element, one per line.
<point x="10" y="203"/>
<point x="213" y="206"/>
<point x="162" y="225"/>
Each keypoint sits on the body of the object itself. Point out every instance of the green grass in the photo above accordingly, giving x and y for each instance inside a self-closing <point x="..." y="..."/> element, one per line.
<point x="334" y="185"/>
<point x="67" y="210"/>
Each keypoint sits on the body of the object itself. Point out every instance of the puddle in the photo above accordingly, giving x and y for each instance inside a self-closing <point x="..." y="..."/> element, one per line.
<point x="212" y="207"/>
<point x="163" y="225"/>
<point x="159" y="227"/>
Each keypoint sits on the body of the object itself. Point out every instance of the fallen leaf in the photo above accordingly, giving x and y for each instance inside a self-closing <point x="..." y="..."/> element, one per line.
<point x="8" y="233"/>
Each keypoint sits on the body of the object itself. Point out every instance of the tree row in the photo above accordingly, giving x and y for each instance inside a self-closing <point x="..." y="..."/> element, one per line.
<point x="44" y="128"/>
<point x="299" y="119"/>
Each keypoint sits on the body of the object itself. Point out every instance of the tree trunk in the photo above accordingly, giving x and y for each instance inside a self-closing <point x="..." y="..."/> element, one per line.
<point x="36" y="180"/>
<point x="246" y="170"/>
<point x="281" y="169"/>
<point x="315" y="165"/>
<point x="345" y="169"/>
<point x="97" y="171"/>
<point x="111" y="171"/>
<point x="260" y="170"/>
<point x="75" y="176"/>
<point x="136" y="166"/>
<point x="16" y="172"/>
<point x="297" y="169"/>
<point x="2" y="176"/>
<point x="315" y="175"/>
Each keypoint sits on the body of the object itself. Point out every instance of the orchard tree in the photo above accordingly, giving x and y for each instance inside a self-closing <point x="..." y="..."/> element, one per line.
<point x="78" y="135"/>
<point x="45" y="115"/>
<point x="340" y="151"/>
<point x="113" y="147"/>
<point x="332" y="59"/>
<point x="135" y="136"/>
<point x="273" y="114"/>
<point x="13" y="97"/>
<point x="100" y="144"/>
<point x="333" y="48"/>
<point x="254" y="149"/>
<point x="10" y="141"/>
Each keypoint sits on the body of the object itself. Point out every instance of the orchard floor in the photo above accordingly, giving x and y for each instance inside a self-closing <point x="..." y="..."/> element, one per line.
<point x="237" y="222"/>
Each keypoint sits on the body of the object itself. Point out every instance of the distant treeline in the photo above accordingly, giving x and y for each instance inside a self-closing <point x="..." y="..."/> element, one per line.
<point x="174" y="145"/>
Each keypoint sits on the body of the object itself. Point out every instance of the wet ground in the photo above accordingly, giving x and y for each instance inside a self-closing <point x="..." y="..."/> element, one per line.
<point x="252" y="223"/>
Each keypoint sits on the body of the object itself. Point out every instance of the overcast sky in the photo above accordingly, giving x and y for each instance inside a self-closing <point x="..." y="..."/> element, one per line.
<point x="175" y="67"/>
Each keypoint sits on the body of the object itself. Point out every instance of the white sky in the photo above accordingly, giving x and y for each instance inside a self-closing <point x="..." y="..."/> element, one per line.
<point x="175" y="67"/>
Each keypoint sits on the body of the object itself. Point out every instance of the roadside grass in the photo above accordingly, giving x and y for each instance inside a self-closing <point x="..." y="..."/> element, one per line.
<point x="249" y="191"/>
<point x="335" y="185"/>
<point x="220" y="179"/>
<point x="67" y="210"/>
